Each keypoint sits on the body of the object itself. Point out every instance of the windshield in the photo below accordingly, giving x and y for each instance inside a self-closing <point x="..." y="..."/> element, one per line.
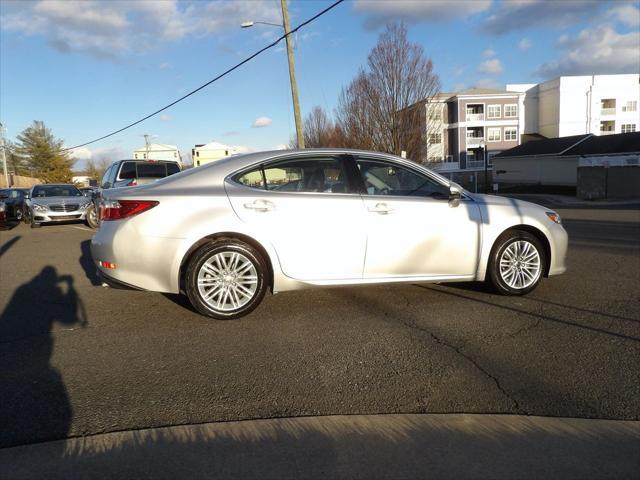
<point x="56" y="191"/>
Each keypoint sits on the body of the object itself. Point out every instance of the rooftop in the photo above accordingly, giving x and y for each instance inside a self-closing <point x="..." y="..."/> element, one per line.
<point x="584" y="145"/>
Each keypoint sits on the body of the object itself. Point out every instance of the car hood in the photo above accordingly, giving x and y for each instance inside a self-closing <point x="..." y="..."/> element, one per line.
<point x="59" y="200"/>
<point x="503" y="201"/>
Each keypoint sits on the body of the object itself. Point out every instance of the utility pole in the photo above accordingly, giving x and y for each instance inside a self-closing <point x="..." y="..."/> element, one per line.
<point x="4" y="157"/>
<point x="147" y="145"/>
<point x="292" y="74"/>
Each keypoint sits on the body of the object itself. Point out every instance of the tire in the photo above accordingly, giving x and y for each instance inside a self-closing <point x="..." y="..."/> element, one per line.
<point x="17" y="213"/>
<point x="91" y="217"/>
<point x="33" y="222"/>
<point x="234" y="294"/>
<point x="517" y="263"/>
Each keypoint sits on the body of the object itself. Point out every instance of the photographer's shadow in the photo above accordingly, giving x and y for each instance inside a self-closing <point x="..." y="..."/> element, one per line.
<point x="33" y="400"/>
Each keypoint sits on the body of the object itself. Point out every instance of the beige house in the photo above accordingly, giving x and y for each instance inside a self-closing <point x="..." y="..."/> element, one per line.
<point x="210" y="152"/>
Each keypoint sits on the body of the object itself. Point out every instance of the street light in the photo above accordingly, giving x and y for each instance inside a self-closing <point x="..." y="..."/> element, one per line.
<point x="292" y="70"/>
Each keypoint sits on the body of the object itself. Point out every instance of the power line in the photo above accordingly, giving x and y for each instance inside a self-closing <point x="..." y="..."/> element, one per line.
<point x="226" y="72"/>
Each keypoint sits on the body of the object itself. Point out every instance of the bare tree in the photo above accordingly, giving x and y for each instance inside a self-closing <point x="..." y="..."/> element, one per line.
<point x="383" y="108"/>
<point x="319" y="131"/>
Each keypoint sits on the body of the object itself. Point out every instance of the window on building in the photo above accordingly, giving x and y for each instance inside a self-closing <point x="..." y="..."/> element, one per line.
<point x="630" y="106"/>
<point x="494" y="134"/>
<point x="494" y="111"/>
<point x="435" y="138"/>
<point x="435" y="112"/>
<point x="628" y="127"/>
<point x="511" y="111"/>
<point x="510" y="133"/>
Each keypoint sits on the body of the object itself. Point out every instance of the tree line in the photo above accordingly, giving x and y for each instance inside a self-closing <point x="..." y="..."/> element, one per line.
<point x="383" y="107"/>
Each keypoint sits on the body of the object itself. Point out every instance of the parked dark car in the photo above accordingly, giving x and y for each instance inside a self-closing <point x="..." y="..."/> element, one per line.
<point x="14" y="200"/>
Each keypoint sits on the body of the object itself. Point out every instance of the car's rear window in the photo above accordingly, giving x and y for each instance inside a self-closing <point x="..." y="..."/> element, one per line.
<point x="128" y="171"/>
<point x="172" y="168"/>
<point x="152" y="170"/>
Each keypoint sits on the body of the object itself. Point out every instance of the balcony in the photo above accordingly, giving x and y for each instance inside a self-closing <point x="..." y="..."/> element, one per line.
<point x="475" y="163"/>
<point x="608" y="111"/>
<point x="475" y="117"/>
<point x="607" y="132"/>
<point x="446" y="166"/>
<point x="474" y="141"/>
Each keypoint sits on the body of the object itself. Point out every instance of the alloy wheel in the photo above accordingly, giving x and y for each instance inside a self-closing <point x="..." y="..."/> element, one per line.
<point x="227" y="281"/>
<point x="520" y="264"/>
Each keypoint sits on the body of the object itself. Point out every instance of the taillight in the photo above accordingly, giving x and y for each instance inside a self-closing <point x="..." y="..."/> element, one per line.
<point x="118" y="209"/>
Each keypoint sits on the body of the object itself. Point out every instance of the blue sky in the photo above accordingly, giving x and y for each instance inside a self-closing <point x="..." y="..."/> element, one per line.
<point x="89" y="67"/>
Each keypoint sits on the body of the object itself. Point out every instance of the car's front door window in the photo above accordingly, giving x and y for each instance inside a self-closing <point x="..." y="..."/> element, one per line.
<point x="389" y="178"/>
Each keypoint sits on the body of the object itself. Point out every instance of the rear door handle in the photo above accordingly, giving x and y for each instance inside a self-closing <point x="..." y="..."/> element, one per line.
<point x="381" y="208"/>
<point x="260" y="206"/>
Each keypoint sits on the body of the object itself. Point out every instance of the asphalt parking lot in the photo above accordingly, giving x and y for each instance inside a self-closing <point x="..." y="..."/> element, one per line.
<point x="78" y="359"/>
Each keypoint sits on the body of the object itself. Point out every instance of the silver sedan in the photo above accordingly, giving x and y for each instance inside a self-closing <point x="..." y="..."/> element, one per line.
<point x="225" y="233"/>
<point x="56" y="203"/>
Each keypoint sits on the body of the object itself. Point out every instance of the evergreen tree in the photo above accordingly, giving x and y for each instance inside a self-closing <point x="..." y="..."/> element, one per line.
<point x="44" y="154"/>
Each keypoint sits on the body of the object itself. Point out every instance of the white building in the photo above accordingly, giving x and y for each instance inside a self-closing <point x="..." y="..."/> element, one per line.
<point x="157" y="151"/>
<point x="597" y="104"/>
<point x="210" y="152"/>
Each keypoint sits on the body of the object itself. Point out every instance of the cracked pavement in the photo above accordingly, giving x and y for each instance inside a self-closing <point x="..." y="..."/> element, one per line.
<point x="571" y="348"/>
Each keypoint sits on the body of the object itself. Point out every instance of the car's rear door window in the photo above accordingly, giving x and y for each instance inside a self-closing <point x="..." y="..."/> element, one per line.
<point x="251" y="179"/>
<point x="320" y="175"/>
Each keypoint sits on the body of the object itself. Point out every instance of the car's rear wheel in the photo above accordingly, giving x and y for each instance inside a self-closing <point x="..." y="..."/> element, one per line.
<point x="517" y="263"/>
<point x="17" y="213"/>
<point x="226" y="279"/>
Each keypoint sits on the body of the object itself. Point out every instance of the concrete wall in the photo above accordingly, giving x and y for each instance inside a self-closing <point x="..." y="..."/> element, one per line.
<point x="614" y="182"/>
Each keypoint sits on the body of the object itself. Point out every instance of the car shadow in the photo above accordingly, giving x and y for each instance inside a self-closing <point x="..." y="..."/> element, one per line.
<point x="86" y="262"/>
<point x="34" y="405"/>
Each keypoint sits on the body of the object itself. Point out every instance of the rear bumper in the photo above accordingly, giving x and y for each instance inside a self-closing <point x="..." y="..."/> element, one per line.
<point x="113" y="283"/>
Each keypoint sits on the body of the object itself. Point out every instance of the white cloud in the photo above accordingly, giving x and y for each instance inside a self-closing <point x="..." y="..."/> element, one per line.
<point x="164" y="66"/>
<point x="598" y="50"/>
<point x="457" y="71"/>
<point x="262" y="122"/>
<point x="489" y="52"/>
<point x="81" y="153"/>
<point x="525" y="44"/>
<point x="281" y="146"/>
<point x="518" y="14"/>
<point x="166" y="118"/>
<point x="108" y="29"/>
<point x="491" y="66"/>
<point x="380" y="12"/>
<point x="628" y="15"/>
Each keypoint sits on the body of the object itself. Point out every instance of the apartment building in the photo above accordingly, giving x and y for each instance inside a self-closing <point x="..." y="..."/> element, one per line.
<point x="577" y="105"/>
<point x="465" y="128"/>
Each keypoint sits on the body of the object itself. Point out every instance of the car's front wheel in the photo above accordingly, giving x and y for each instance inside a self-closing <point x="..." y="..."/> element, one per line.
<point x="92" y="217"/>
<point x="226" y="279"/>
<point x="517" y="263"/>
<point x="34" y="224"/>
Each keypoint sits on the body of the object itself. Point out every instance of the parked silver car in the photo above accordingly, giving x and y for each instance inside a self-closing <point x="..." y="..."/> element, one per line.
<point x="56" y="203"/>
<point x="226" y="232"/>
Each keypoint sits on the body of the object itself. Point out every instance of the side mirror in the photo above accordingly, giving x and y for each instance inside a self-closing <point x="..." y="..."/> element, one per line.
<point x="455" y="194"/>
<point x="106" y="185"/>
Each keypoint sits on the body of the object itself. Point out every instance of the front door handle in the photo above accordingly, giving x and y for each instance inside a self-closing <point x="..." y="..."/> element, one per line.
<point x="260" y="206"/>
<point x="381" y="208"/>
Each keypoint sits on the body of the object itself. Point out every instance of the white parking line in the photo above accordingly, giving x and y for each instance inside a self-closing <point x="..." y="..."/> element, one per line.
<point x="79" y="228"/>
